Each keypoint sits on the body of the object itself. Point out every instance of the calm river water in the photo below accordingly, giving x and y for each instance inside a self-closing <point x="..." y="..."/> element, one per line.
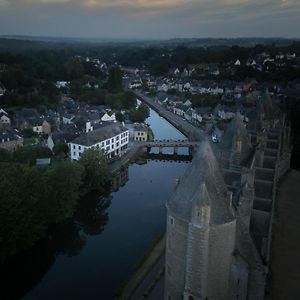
<point x="92" y="255"/>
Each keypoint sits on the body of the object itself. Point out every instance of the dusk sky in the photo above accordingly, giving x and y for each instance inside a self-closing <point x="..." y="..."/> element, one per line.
<point x="151" y="18"/>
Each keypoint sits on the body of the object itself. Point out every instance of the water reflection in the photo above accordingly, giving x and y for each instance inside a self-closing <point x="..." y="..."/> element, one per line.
<point x="89" y="256"/>
<point x="23" y="271"/>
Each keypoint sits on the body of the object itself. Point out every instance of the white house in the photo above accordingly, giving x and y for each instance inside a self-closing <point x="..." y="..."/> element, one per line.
<point x="37" y="126"/>
<point x="135" y="84"/>
<point x="140" y="133"/>
<point x="162" y="88"/>
<point x="4" y="119"/>
<point x="62" y="84"/>
<point x="111" y="139"/>
<point x="106" y="117"/>
<point x="179" y="109"/>
<point x="237" y="63"/>
<point x="68" y="119"/>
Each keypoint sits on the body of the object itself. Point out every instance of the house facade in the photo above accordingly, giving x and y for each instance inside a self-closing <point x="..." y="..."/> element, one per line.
<point x="111" y="139"/>
<point x="140" y="133"/>
<point x="4" y="119"/>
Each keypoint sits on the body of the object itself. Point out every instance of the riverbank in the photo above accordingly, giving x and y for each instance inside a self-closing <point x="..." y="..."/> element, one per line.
<point x="285" y="260"/>
<point x="148" y="272"/>
<point x="126" y="158"/>
<point x="193" y="133"/>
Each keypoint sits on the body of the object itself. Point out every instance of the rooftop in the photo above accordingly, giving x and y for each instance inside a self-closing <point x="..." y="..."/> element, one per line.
<point x="107" y="131"/>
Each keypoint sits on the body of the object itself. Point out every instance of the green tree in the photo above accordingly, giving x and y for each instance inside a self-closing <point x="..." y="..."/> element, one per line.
<point x="64" y="181"/>
<point x="96" y="173"/>
<point x="21" y="224"/>
<point x="120" y="117"/>
<point x="114" y="83"/>
<point x="60" y="147"/>
<point x="5" y="156"/>
<point x="74" y="68"/>
<point x="140" y="114"/>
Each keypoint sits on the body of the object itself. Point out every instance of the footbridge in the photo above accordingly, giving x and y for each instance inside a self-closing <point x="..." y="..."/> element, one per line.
<point x="174" y="144"/>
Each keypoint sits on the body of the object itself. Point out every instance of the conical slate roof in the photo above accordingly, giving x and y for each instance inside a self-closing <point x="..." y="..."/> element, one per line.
<point x="202" y="185"/>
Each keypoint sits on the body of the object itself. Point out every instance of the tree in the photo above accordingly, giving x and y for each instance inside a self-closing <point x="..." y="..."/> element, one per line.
<point x="140" y="114"/>
<point x="74" y="68"/>
<point x="5" y="156"/>
<point x="114" y="83"/>
<point x="96" y="173"/>
<point x="120" y="117"/>
<point x="60" y="147"/>
<point x="32" y="198"/>
<point x="64" y="181"/>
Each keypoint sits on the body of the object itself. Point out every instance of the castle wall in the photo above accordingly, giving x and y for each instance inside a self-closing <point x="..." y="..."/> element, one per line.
<point x="221" y="248"/>
<point x="176" y="248"/>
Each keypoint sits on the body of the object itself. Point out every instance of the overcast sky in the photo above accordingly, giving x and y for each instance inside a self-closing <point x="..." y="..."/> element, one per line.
<point x="151" y="18"/>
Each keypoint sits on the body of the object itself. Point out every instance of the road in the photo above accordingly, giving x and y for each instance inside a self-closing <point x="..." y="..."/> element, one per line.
<point x="192" y="132"/>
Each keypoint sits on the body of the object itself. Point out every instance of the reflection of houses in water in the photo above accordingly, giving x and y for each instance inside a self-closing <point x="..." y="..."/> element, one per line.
<point x="119" y="179"/>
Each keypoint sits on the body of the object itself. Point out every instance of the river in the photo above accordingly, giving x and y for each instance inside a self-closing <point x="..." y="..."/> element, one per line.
<point x="92" y="255"/>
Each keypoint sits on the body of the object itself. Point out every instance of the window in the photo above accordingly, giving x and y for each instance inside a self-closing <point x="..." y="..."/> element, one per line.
<point x="74" y="153"/>
<point x="79" y="154"/>
<point x="107" y="142"/>
<point x="79" y="147"/>
<point x="171" y="220"/>
<point x="74" y="147"/>
<point x="117" y="138"/>
<point x="117" y="145"/>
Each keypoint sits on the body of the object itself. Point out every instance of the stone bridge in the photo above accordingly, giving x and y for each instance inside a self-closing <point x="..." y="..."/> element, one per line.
<point x="175" y="144"/>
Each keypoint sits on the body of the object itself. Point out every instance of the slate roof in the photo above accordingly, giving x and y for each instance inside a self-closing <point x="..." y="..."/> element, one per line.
<point x="105" y="132"/>
<point x="202" y="184"/>
<point x="8" y="135"/>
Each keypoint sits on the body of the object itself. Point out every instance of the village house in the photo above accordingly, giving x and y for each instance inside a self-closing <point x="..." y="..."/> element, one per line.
<point x="135" y="84"/>
<point x="225" y="112"/>
<point x="68" y="118"/>
<point x="25" y="118"/>
<point x="140" y="133"/>
<point x="201" y="113"/>
<point x="10" y="140"/>
<point x="4" y="118"/>
<point x="62" y="84"/>
<point x="180" y="109"/>
<point x="112" y="139"/>
<point x="60" y="137"/>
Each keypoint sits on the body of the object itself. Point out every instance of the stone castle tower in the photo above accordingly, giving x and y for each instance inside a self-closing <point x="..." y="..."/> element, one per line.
<point x="200" y="233"/>
<point x="219" y="218"/>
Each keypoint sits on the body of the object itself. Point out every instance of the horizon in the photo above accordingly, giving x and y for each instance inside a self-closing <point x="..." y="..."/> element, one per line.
<point x="150" y="20"/>
<point x="39" y="37"/>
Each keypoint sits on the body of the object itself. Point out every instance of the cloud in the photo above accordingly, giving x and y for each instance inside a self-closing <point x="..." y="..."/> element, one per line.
<point x="150" y="18"/>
